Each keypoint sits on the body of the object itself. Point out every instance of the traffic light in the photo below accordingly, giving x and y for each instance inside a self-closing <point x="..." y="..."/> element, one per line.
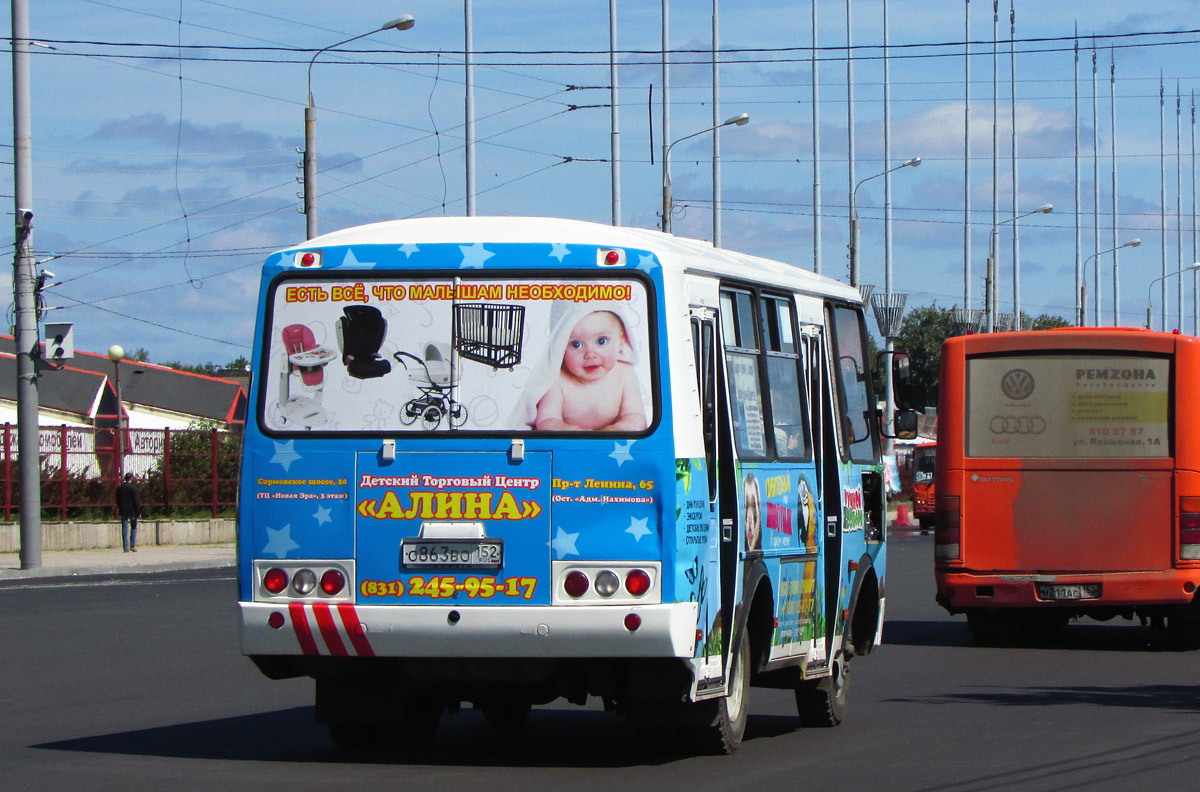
<point x="60" y="342"/>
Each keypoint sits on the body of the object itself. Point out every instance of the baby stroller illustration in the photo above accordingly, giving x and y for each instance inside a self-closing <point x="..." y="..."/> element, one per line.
<point x="301" y="354"/>
<point x="435" y="379"/>
<point x="360" y="333"/>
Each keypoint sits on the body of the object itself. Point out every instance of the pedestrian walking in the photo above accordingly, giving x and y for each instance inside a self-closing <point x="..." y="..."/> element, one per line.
<point x="129" y="509"/>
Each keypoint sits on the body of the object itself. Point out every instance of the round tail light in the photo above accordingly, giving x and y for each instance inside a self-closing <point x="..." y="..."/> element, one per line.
<point x="275" y="581"/>
<point x="637" y="582"/>
<point x="304" y="582"/>
<point x="576" y="584"/>
<point x="607" y="583"/>
<point x="632" y="622"/>
<point x="332" y="582"/>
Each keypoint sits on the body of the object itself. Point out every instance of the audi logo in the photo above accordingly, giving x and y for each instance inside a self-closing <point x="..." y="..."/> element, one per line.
<point x="1017" y="424"/>
<point x="1017" y="384"/>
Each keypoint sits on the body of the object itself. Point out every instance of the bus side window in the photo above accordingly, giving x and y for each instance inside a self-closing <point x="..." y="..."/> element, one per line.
<point x="789" y="410"/>
<point x="703" y="332"/>
<point x="741" y="360"/>
<point x="859" y="441"/>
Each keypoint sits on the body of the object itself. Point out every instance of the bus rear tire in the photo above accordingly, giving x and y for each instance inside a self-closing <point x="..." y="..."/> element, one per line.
<point x="357" y="736"/>
<point x="823" y="702"/>
<point x="418" y="721"/>
<point x="725" y="718"/>
<point x="505" y="712"/>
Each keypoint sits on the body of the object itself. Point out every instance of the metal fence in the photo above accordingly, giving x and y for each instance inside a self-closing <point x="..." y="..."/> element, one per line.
<point x="178" y="473"/>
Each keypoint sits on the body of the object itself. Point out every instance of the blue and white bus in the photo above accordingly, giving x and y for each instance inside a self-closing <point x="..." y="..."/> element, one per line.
<point x="501" y="461"/>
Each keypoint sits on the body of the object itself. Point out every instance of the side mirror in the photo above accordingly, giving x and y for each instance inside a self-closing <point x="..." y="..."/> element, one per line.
<point x="906" y="424"/>
<point x="902" y="381"/>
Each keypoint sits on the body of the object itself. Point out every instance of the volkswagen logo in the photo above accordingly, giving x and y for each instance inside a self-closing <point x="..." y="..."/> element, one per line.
<point x="1017" y="384"/>
<point x="1017" y="424"/>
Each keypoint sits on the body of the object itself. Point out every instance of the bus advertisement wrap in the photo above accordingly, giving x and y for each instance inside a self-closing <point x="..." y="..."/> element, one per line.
<point x="502" y="354"/>
<point x="1080" y="406"/>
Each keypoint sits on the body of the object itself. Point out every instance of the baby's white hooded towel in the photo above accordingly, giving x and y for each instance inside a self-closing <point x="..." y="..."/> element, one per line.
<point x="564" y="315"/>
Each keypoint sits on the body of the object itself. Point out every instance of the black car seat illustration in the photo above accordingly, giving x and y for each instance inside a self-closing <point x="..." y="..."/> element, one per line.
<point x="360" y="333"/>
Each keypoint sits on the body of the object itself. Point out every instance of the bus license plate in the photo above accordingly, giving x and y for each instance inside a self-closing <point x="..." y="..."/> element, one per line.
<point x="451" y="553"/>
<point x="1068" y="592"/>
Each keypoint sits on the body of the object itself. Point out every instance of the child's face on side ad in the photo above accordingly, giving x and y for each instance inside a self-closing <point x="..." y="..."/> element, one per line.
<point x="593" y="347"/>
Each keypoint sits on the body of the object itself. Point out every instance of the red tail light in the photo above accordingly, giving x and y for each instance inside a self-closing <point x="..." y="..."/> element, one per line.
<point x="332" y="582"/>
<point x="1189" y="529"/>
<point x="947" y="533"/>
<point x="275" y="581"/>
<point x="637" y="582"/>
<point x="576" y="584"/>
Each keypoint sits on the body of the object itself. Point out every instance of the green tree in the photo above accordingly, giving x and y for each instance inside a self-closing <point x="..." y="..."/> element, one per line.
<point x="1047" y="322"/>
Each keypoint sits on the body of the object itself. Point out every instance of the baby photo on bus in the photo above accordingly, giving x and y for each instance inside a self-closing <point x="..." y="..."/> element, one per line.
<point x="586" y="379"/>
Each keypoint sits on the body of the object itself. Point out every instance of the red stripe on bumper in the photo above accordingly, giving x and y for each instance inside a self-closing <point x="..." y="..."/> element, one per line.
<point x="303" y="631"/>
<point x="329" y="630"/>
<point x="356" y="631"/>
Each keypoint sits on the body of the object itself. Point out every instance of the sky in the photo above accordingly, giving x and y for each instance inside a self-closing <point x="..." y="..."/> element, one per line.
<point x="166" y="140"/>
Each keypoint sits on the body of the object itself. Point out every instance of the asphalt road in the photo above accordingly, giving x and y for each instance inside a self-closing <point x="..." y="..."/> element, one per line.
<point x="140" y="686"/>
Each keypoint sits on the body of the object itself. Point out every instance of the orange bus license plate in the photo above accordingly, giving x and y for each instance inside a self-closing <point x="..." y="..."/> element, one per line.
<point x="1068" y="592"/>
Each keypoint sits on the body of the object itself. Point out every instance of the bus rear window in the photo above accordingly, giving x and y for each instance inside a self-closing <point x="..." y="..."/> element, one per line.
<point x="1068" y="406"/>
<point x="498" y="354"/>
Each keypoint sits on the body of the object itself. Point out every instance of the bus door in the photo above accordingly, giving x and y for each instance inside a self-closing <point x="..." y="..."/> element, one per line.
<point x="829" y="480"/>
<point x="720" y="567"/>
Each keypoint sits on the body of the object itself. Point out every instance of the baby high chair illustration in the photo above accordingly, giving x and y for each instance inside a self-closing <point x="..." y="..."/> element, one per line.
<point x="435" y="379"/>
<point x="303" y="356"/>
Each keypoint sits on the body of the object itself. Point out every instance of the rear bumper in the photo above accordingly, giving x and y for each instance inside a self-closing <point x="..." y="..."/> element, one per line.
<point x="341" y="630"/>
<point x="959" y="591"/>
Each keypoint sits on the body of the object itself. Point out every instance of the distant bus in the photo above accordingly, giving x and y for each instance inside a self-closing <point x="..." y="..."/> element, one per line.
<point x="924" y="464"/>
<point x="502" y="461"/>
<point x="1068" y="479"/>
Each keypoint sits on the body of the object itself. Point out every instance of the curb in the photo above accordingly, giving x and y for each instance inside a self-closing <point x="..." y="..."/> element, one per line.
<point x="96" y="574"/>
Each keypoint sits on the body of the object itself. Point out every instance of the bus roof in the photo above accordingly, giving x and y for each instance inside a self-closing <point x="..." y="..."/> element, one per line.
<point x="672" y="251"/>
<point x="1067" y="338"/>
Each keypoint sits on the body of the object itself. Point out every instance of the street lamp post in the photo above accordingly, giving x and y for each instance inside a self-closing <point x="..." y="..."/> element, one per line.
<point x="914" y="162"/>
<point x="1150" y="290"/>
<point x="738" y="120"/>
<point x="1083" y="287"/>
<point x="310" y="126"/>
<point x="990" y="282"/>
<point x="116" y="354"/>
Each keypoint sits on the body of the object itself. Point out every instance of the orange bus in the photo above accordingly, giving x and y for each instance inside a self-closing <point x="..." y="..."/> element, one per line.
<point x="1068" y="479"/>
<point x="924" y="464"/>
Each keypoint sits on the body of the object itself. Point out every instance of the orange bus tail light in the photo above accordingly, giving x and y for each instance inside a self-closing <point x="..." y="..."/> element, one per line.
<point x="946" y="529"/>
<point x="1189" y="529"/>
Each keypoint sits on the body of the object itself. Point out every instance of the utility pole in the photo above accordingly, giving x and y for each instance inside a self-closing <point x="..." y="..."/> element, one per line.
<point x="26" y="330"/>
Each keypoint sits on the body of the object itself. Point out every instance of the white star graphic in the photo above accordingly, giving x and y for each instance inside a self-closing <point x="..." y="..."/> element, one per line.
<point x="285" y="454"/>
<point x="638" y="528"/>
<point x="323" y="515"/>
<point x="646" y="262"/>
<point x="351" y="261"/>
<point x="279" y="542"/>
<point x="408" y="249"/>
<point x="564" y="543"/>
<point x="621" y="452"/>
<point x="474" y="256"/>
<point x="559" y="251"/>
